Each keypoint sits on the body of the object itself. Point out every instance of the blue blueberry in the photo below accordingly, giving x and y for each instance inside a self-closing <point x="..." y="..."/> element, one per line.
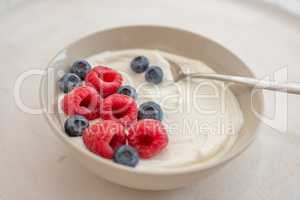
<point x="150" y="110"/>
<point x="75" y="125"/>
<point x="81" y="68"/>
<point x="126" y="155"/>
<point x="68" y="82"/>
<point x="139" y="64"/>
<point x="128" y="90"/>
<point x="154" y="75"/>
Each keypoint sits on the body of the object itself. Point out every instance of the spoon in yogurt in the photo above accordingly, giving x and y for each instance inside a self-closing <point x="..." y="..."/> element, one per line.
<point x="178" y="75"/>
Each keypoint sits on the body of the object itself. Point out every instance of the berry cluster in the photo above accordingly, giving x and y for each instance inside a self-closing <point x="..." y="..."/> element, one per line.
<point x="126" y="132"/>
<point x="153" y="74"/>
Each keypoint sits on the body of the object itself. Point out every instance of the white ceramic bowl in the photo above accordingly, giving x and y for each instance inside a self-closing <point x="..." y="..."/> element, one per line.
<point x="167" y="39"/>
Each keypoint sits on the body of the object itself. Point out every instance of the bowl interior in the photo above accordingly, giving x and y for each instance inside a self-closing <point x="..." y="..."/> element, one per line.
<point x="166" y="39"/>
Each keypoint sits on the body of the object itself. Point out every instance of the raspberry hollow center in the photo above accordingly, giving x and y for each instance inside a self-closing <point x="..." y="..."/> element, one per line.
<point x="107" y="77"/>
<point x="120" y="112"/>
<point x="145" y="140"/>
<point x="86" y="101"/>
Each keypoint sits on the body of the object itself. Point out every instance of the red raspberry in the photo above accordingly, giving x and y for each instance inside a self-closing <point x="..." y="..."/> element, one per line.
<point x="84" y="101"/>
<point x="148" y="136"/>
<point x="120" y="108"/>
<point x="104" y="79"/>
<point x="104" y="138"/>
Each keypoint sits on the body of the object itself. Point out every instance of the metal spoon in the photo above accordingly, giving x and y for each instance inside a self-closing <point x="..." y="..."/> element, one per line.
<point x="178" y="75"/>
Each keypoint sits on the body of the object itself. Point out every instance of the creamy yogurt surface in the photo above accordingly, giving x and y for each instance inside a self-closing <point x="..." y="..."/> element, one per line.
<point x="202" y="117"/>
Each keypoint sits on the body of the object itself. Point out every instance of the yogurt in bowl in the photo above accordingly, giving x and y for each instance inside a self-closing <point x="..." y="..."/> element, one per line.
<point x="207" y="123"/>
<point x="203" y="117"/>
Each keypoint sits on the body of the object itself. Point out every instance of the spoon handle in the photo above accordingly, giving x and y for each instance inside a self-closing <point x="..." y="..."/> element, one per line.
<point x="292" y="88"/>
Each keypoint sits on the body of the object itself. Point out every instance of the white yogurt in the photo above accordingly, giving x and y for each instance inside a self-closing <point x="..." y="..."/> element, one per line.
<point x="202" y="117"/>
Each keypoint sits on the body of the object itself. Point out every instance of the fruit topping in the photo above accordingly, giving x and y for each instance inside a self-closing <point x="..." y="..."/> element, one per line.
<point x="106" y="80"/>
<point x="75" y="125"/>
<point x="148" y="137"/>
<point x="84" y="101"/>
<point x="154" y="75"/>
<point x="126" y="155"/>
<point x="81" y="68"/>
<point x="150" y="110"/>
<point x="120" y="108"/>
<point x="68" y="82"/>
<point x="139" y="64"/>
<point x="104" y="138"/>
<point x="128" y="91"/>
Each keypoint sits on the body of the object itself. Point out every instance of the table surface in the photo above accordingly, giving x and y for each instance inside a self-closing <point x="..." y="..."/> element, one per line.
<point x="36" y="165"/>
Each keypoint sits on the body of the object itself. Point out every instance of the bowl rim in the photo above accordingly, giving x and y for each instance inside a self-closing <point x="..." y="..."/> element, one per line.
<point x="196" y="167"/>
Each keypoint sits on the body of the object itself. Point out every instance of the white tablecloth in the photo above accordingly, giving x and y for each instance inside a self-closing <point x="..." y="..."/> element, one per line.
<point x="35" y="164"/>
